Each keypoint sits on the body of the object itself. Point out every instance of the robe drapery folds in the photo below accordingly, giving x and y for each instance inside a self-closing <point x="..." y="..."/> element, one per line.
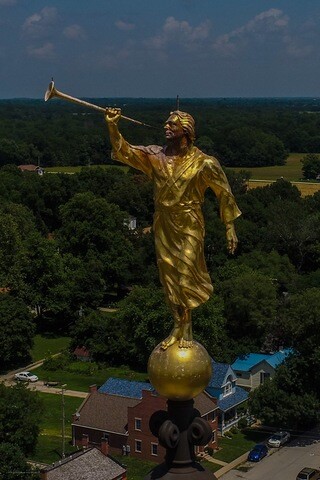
<point x="179" y="187"/>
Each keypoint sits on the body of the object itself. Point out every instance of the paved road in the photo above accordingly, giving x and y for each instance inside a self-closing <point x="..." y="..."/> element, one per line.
<point x="284" y="463"/>
<point x="8" y="379"/>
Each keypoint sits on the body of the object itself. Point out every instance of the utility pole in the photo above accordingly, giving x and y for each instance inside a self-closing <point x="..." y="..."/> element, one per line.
<point x="63" y="387"/>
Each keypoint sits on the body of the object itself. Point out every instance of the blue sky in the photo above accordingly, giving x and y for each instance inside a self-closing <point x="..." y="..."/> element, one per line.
<point x="160" y="48"/>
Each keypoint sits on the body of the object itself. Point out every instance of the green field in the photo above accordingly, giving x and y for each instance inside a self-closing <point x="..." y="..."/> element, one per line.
<point x="49" y="447"/>
<point x="291" y="171"/>
<point x="44" y="347"/>
<point x="81" y="381"/>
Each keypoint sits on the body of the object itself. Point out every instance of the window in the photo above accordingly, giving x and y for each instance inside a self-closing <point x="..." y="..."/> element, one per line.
<point x="228" y="388"/>
<point x="137" y="423"/>
<point x="138" y="446"/>
<point x="154" y="449"/>
<point x="264" y="376"/>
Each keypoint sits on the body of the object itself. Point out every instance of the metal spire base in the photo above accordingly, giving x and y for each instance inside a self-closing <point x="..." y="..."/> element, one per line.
<point x="179" y="430"/>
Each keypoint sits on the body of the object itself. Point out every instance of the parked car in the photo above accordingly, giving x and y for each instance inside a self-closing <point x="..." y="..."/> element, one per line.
<point x="26" y="377"/>
<point x="308" y="474"/>
<point x="278" y="439"/>
<point x="257" y="453"/>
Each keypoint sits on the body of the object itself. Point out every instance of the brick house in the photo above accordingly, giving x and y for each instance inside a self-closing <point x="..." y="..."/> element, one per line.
<point x="120" y="410"/>
<point x="88" y="464"/>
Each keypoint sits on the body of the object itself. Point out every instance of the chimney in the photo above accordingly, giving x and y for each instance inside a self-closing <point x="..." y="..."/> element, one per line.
<point x="104" y="446"/>
<point x="75" y="417"/>
<point x="43" y="475"/>
<point x="85" y="441"/>
<point x="93" y="388"/>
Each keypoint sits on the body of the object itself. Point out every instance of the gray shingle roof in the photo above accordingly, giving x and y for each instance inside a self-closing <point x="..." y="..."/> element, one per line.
<point x="106" y="412"/>
<point x="86" y="465"/>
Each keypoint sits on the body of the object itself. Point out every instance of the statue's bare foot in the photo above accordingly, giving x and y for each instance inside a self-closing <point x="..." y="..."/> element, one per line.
<point x="186" y="340"/>
<point x="171" y="339"/>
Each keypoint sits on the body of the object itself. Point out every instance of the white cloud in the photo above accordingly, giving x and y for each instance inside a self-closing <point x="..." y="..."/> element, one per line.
<point x="180" y="32"/>
<point x="45" y="52"/>
<point x="266" y="23"/>
<point x="125" y="26"/>
<point x="74" y="32"/>
<point x="38" y="24"/>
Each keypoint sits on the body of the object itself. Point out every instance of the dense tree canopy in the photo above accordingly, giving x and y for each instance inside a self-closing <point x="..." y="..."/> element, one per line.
<point x="20" y="416"/>
<point x="16" y="331"/>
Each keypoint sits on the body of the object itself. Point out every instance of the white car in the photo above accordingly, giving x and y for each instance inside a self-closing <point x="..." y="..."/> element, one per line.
<point x="26" y="377"/>
<point x="278" y="439"/>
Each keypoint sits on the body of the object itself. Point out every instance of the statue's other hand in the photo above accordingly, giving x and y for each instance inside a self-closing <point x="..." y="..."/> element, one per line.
<point x="112" y="115"/>
<point x="232" y="239"/>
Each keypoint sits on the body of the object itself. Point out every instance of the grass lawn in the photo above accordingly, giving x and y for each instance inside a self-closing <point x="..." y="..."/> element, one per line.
<point x="291" y="171"/>
<point x="212" y="467"/>
<point x="45" y="346"/>
<point x="239" y="444"/>
<point x="82" y="381"/>
<point x="49" y="445"/>
<point x="136" y="469"/>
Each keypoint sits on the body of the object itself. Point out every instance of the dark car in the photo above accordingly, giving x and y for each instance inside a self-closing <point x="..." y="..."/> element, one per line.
<point x="308" y="474"/>
<point x="257" y="453"/>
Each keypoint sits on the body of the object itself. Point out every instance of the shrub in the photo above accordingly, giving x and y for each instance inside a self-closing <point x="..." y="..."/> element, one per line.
<point x="243" y="423"/>
<point x="59" y="362"/>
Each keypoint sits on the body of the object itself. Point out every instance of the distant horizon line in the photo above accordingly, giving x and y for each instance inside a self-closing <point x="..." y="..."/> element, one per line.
<point x="314" y="97"/>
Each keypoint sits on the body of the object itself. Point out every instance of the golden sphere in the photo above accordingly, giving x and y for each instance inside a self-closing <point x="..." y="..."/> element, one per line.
<point x="179" y="373"/>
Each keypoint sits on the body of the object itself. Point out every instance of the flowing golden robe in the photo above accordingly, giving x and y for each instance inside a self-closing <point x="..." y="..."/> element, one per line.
<point x="179" y="187"/>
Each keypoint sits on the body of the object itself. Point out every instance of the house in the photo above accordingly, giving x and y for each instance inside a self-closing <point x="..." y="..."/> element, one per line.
<point x="120" y="410"/>
<point x="31" y="168"/>
<point x="253" y="369"/>
<point x="88" y="464"/>
<point x="130" y="222"/>
<point x="82" y="354"/>
<point x="230" y="397"/>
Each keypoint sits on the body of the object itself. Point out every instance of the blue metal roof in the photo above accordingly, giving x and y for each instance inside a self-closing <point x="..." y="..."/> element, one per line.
<point x="246" y="362"/>
<point x="124" y="388"/>
<point x="233" y="399"/>
<point x="219" y="372"/>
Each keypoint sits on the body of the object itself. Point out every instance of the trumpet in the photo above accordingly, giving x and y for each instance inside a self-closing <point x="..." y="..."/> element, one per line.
<point x="53" y="92"/>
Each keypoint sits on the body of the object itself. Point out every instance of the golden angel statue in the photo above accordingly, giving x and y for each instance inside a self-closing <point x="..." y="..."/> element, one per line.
<point x="181" y="173"/>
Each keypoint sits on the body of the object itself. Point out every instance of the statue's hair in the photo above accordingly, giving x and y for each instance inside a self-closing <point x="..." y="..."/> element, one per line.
<point x="188" y="124"/>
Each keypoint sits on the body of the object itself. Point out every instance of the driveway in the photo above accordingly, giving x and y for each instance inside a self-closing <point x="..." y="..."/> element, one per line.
<point x="284" y="463"/>
<point x="8" y="379"/>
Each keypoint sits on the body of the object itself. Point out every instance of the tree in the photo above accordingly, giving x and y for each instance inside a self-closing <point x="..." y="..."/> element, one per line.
<point x="13" y="464"/>
<point x="20" y="417"/>
<point x="277" y="407"/>
<point x="302" y="322"/>
<point x="16" y="332"/>
<point x="145" y="320"/>
<point x="250" y="300"/>
<point x="293" y="231"/>
<point x="311" y="166"/>
<point x="92" y="227"/>
<point x="104" y="336"/>
<point x="251" y="147"/>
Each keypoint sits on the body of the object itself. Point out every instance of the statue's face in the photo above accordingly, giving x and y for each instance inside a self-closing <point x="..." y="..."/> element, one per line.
<point x="173" y="128"/>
